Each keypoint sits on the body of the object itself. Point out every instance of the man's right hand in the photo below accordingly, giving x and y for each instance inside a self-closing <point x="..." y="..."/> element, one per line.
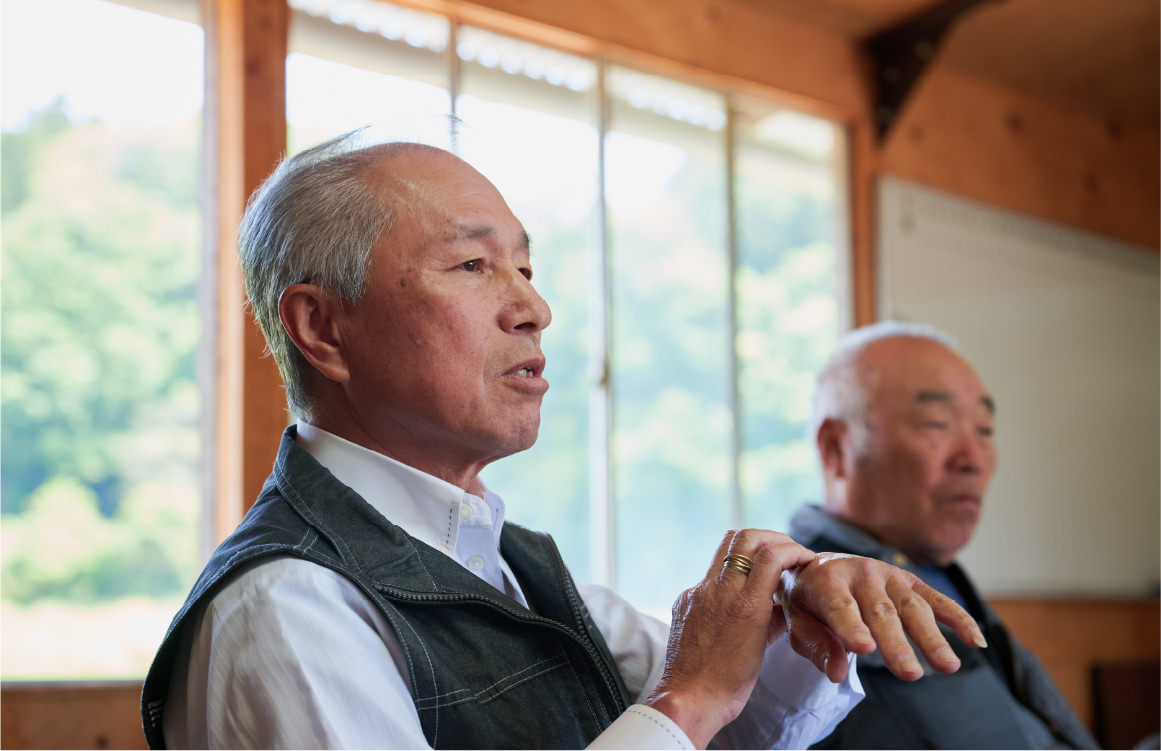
<point x="720" y="630"/>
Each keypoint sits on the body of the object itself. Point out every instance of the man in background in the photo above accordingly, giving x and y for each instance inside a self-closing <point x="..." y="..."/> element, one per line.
<point x="904" y="431"/>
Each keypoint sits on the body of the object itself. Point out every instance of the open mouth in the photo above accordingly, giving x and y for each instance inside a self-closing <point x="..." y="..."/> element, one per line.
<point x="525" y="372"/>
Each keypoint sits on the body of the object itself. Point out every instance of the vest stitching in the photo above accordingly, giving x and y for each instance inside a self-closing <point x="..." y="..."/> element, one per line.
<point x="578" y="609"/>
<point x="548" y="663"/>
<point x="431" y="670"/>
<point x="576" y="676"/>
<point x="300" y="507"/>
<point x="305" y="546"/>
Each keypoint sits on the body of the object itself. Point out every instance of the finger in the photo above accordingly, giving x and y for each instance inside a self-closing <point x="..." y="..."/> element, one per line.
<point x="811" y="638"/>
<point x="750" y="542"/>
<point x="723" y="548"/>
<point x="919" y="623"/>
<point x="950" y="613"/>
<point x="882" y="618"/>
<point x="770" y="560"/>
<point x="837" y="608"/>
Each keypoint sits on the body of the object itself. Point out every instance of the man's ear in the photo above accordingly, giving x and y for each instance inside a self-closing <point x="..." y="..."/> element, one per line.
<point x="830" y="439"/>
<point x="311" y="316"/>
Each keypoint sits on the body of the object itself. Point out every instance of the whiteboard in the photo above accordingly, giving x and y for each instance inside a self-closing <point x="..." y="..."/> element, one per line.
<point x="1063" y="328"/>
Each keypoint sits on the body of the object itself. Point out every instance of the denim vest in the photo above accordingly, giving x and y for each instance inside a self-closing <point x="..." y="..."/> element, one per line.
<point x="1001" y="697"/>
<point x="484" y="671"/>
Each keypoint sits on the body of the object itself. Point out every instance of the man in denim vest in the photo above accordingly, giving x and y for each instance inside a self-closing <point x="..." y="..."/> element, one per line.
<point x="904" y="433"/>
<point x="374" y="596"/>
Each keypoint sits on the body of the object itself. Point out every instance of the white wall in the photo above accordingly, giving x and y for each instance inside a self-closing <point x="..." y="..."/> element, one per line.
<point x="1063" y="327"/>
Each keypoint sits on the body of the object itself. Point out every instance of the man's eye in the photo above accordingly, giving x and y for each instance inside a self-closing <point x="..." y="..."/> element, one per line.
<point x="985" y="431"/>
<point x="473" y="265"/>
<point x="935" y="424"/>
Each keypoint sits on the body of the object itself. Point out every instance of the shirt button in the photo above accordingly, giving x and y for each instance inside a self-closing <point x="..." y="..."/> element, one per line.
<point x="899" y="559"/>
<point x="465" y="512"/>
<point x="475" y="563"/>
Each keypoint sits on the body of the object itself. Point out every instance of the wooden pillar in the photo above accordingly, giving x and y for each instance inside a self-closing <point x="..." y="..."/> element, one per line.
<point x="245" y="136"/>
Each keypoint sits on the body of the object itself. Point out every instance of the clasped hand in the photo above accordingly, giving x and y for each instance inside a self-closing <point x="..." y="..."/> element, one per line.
<point x="831" y="604"/>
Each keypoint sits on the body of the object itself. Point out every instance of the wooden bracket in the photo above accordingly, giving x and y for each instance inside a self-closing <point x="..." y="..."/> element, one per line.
<point x="902" y="53"/>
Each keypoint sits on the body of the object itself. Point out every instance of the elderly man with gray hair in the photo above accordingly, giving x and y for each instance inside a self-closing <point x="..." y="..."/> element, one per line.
<point x="375" y="596"/>
<point x="904" y="431"/>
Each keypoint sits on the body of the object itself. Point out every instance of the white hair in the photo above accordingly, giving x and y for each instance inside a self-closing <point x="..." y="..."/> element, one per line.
<point x="842" y="390"/>
<point x="314" y="220"/>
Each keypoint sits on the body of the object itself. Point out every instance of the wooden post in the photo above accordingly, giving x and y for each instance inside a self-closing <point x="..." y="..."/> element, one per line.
<point x="245" y="136"/>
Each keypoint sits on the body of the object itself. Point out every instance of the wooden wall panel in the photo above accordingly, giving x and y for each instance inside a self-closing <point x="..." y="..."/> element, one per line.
<point x="978" y="140"/>
<point x="1071" y="636"/>
<point x="55" y="715"/>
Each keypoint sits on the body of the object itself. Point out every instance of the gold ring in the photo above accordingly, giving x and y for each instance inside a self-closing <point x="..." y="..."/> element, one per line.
<point x="738" y="562"/>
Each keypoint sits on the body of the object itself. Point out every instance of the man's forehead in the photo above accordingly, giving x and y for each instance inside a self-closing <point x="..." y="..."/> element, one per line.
<point x="922" y="371"/>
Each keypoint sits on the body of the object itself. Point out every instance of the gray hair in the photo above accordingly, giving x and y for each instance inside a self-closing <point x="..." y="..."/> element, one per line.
<point x="841" y="390"/>
<point x="314" y="220"/>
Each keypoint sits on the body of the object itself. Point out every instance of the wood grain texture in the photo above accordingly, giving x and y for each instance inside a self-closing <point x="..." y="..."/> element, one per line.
<point x="981" y="141"/>
<point x="55" y="715"/>
<point x="1071" y="636"/>
<point x="246" y="43"/>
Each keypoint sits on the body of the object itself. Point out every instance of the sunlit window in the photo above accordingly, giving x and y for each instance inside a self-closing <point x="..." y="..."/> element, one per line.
<point x="99" y="333"/>
<point x="529" y="124"/>
<point x="671" y="346"/>
<point x="689" y="241"/>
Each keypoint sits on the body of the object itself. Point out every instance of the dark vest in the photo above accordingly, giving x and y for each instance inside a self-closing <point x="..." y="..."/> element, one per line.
<point x="484" y="671"/>
<point x="1000" y="697"/>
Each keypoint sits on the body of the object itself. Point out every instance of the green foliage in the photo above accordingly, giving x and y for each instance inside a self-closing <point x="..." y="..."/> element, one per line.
<point x="21" y="150"/>
<point x="99" y="332"/>
<point x="99" y="320"/>
<point x="63" y="548"/>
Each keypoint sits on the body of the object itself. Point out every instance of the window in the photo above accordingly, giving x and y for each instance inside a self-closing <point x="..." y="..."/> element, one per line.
<point x="690" y="243"/>
<point x="99" y="333"/>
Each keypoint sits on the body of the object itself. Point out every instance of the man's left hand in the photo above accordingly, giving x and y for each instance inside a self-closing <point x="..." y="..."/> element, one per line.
<point x="841" y="603"/>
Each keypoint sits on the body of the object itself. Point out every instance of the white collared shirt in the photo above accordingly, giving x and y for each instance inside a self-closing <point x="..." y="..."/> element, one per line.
<point x="290" y="654"/>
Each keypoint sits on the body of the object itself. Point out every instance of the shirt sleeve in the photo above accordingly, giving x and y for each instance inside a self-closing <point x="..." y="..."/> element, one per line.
<point x="269" y="667"/>
<point x="793" y="704"/>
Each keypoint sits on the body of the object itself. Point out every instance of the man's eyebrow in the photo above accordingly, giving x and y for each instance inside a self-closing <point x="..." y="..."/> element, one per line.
<point x="927" y="396"/>
<point x="484" y="231"/>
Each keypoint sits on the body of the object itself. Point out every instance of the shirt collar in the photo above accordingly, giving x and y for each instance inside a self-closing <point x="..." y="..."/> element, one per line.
<point x="423" y="505"/>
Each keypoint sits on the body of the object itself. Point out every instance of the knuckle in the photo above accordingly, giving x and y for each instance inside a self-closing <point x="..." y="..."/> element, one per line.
<point x="882" y="610"/>
<point x="911" y="604"/>
<point x="840" y="604"/>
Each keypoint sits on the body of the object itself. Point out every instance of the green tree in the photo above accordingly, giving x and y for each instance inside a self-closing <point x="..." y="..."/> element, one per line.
<point x="99" y="326"/>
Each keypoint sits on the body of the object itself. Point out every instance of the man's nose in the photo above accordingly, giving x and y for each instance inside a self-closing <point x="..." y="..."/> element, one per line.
<point x="968" y="452"/>
<point x="525" y="310"/>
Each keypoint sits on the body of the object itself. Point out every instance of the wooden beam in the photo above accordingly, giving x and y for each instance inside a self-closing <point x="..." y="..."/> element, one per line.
<point x="982" y="141"/>
<point x="245" y="126"/>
